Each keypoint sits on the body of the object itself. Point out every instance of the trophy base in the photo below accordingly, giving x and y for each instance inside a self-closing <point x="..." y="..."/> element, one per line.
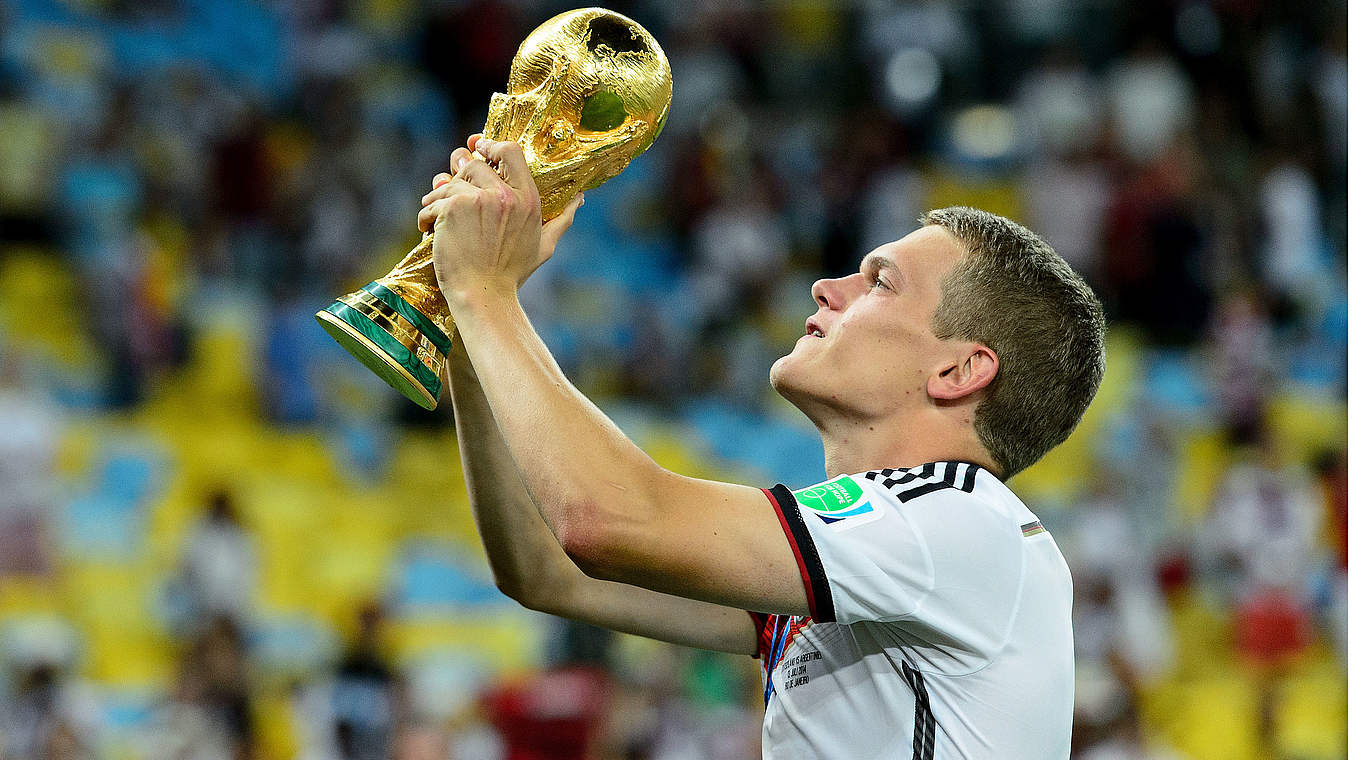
<point x="390" y="337"/>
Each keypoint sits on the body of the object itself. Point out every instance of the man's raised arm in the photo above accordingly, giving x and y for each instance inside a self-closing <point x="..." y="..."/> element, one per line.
<point x="615" y="512"/>
<point x="531" y="568"/>
<point x="528" y="564"/>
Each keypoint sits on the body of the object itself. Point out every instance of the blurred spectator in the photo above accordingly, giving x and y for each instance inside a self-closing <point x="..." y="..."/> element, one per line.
<point x="219" y="563"/>
<point x="1150" y="101"/>
<point x="1119" y="616"/>
<point x="1155" y="266"/>
<point x="1122" y="633"/>
<point x="39" y="721"/>
<point x="1294" y="251"/>
<point x="1244" y="358"/>
<point x="553" y="715"/>
<point x="366" y="695"/>
<point x="45" y="712"/>
<point x="209" y="714"/>
<point x="1262" y="533"/>
<point x="28" y="449"/>
<point x="1125" y="739"/>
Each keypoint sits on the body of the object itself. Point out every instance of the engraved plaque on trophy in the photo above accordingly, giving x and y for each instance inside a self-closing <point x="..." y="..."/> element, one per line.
<point x="589" y="90"/>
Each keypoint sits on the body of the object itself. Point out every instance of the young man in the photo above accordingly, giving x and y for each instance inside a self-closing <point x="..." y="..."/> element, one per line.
<point x="909" y="607"/>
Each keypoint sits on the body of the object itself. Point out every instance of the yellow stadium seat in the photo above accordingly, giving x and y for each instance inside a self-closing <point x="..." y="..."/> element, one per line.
<point x="814" y="24"/>
<point x="998" y="196"/>
<point x="41" y="307"/>
<point x="1204" y="457"/>
<point x="425" y="488"/>
<point x="23" y="595"/>
<point x="114" y="607"/>
<point x="1311" y="714"/>
<point x="77" y="447"/>
<point x="1211" y="718"/>
<point x="508" y="641"/>
<point x="1306" y="425"/>
<point x="275" y="726"/>
<point x="126" y="660"/>
<point x="1203" y="636"/>
<point x="219" y="380"/>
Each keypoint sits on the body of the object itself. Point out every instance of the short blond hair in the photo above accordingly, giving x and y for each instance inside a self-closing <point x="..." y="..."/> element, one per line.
<point x="1013" y="293"/>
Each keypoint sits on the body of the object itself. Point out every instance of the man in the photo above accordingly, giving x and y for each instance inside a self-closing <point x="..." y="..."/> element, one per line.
<point x="911" y="606"/>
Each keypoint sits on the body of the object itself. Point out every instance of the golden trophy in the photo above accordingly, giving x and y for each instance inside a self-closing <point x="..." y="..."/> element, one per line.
<point x="589" y="91"/>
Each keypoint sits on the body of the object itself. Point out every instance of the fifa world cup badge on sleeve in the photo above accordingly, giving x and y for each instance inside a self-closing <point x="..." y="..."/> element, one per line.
<point x="837" y="501"/>
<point x="589" y="91"/>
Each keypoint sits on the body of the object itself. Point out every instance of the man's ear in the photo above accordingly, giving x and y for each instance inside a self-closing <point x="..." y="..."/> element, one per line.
<point x="973" y="369"/>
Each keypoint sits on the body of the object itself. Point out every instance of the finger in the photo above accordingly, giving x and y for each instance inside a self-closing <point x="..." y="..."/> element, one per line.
<point x="554" y="229"/>
<point x="428" y="216"/>
<point x="451" y="186"/>
<point x="432" y="213"/>
<point x="440" y="179"/>
<point x="459" y="157"/>
<point x="509" y="158"/>
<point x="479" y="173"/>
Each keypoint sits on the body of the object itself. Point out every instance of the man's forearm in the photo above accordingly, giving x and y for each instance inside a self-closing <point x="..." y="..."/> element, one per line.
<point x="574" y="461"/>
<point x="525" y="558"/>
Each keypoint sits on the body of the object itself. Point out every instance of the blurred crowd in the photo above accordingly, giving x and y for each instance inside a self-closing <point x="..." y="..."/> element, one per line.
<point x="183" y="183"/>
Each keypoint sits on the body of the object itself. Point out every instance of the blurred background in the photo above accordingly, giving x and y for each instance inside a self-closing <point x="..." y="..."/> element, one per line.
<point x="221" y="537"/>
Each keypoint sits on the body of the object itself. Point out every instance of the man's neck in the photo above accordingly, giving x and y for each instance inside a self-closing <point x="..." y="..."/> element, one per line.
<point x="859" y="445"/>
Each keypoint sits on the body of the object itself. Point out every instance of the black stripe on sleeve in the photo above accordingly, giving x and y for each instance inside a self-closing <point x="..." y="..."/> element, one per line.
<point x="823" y="610"/>
<point x="923" y="735"/>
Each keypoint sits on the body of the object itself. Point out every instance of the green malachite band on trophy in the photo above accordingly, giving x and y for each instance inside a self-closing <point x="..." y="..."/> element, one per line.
<point x="421" y="322"/>
<point x="399" y="354"/>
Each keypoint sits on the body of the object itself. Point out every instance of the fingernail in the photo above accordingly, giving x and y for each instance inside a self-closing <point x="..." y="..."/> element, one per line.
<point x="461" y="161"/>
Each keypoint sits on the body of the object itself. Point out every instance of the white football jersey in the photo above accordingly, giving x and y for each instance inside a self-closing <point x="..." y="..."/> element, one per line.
<point x="941" y="623"/>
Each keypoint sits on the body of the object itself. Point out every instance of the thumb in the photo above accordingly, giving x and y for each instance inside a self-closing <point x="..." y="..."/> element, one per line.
<point x="553" y="230"/>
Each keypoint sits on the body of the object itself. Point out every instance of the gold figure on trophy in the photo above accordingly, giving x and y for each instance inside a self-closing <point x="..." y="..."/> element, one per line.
<point x="589" y="91"/>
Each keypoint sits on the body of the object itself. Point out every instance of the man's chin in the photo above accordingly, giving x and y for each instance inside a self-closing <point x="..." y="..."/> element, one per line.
<point x="779" y="372"/>
<point x="784" y="379"/>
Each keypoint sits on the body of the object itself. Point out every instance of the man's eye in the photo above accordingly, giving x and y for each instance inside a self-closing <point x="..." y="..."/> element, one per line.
<point x="879" y="283"/>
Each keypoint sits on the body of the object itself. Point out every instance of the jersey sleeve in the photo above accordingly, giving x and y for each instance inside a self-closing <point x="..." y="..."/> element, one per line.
<point x="892" y="546"/>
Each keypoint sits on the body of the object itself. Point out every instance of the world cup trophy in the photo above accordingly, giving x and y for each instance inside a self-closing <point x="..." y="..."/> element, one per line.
<point x="589" y="91"/>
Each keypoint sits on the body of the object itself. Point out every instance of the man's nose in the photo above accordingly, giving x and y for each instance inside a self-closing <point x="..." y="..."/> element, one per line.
<point x="833" y="293"/>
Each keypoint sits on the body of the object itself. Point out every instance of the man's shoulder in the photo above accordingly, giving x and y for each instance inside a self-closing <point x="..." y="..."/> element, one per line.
<point x="961" y="494"/>
<point x="906" y="484"/>
<point x="960" y="490"/>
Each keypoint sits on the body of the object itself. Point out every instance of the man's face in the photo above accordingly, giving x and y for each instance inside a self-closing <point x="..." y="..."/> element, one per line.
<point x="870" y="348"/>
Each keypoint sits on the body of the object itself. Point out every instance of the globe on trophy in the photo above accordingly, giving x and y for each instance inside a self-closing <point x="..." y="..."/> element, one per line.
<point x="589" y="91"/>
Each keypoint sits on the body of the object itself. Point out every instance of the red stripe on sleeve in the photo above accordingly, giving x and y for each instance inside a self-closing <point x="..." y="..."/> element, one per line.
<point x="797" y="555"/>
<point x="761" y="621"/>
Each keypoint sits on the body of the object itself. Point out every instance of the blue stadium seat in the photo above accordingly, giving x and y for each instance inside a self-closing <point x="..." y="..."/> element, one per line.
<point x="428" y="576"/>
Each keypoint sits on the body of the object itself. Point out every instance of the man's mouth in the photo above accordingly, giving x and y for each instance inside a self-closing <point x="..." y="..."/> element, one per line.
<point x="815" y="330"/>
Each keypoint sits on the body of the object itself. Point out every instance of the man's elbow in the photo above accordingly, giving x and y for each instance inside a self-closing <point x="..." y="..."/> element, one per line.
<point x="590" y="539"/>
<point x="517" y="589"/>
<point x="553" y="594"/>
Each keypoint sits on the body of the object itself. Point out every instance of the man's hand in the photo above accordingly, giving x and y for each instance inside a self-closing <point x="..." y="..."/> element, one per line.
<point x="487" y="222"/>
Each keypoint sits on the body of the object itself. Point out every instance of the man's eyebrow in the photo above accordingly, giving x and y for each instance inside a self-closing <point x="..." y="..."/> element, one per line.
<point x="878" y="261"/>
